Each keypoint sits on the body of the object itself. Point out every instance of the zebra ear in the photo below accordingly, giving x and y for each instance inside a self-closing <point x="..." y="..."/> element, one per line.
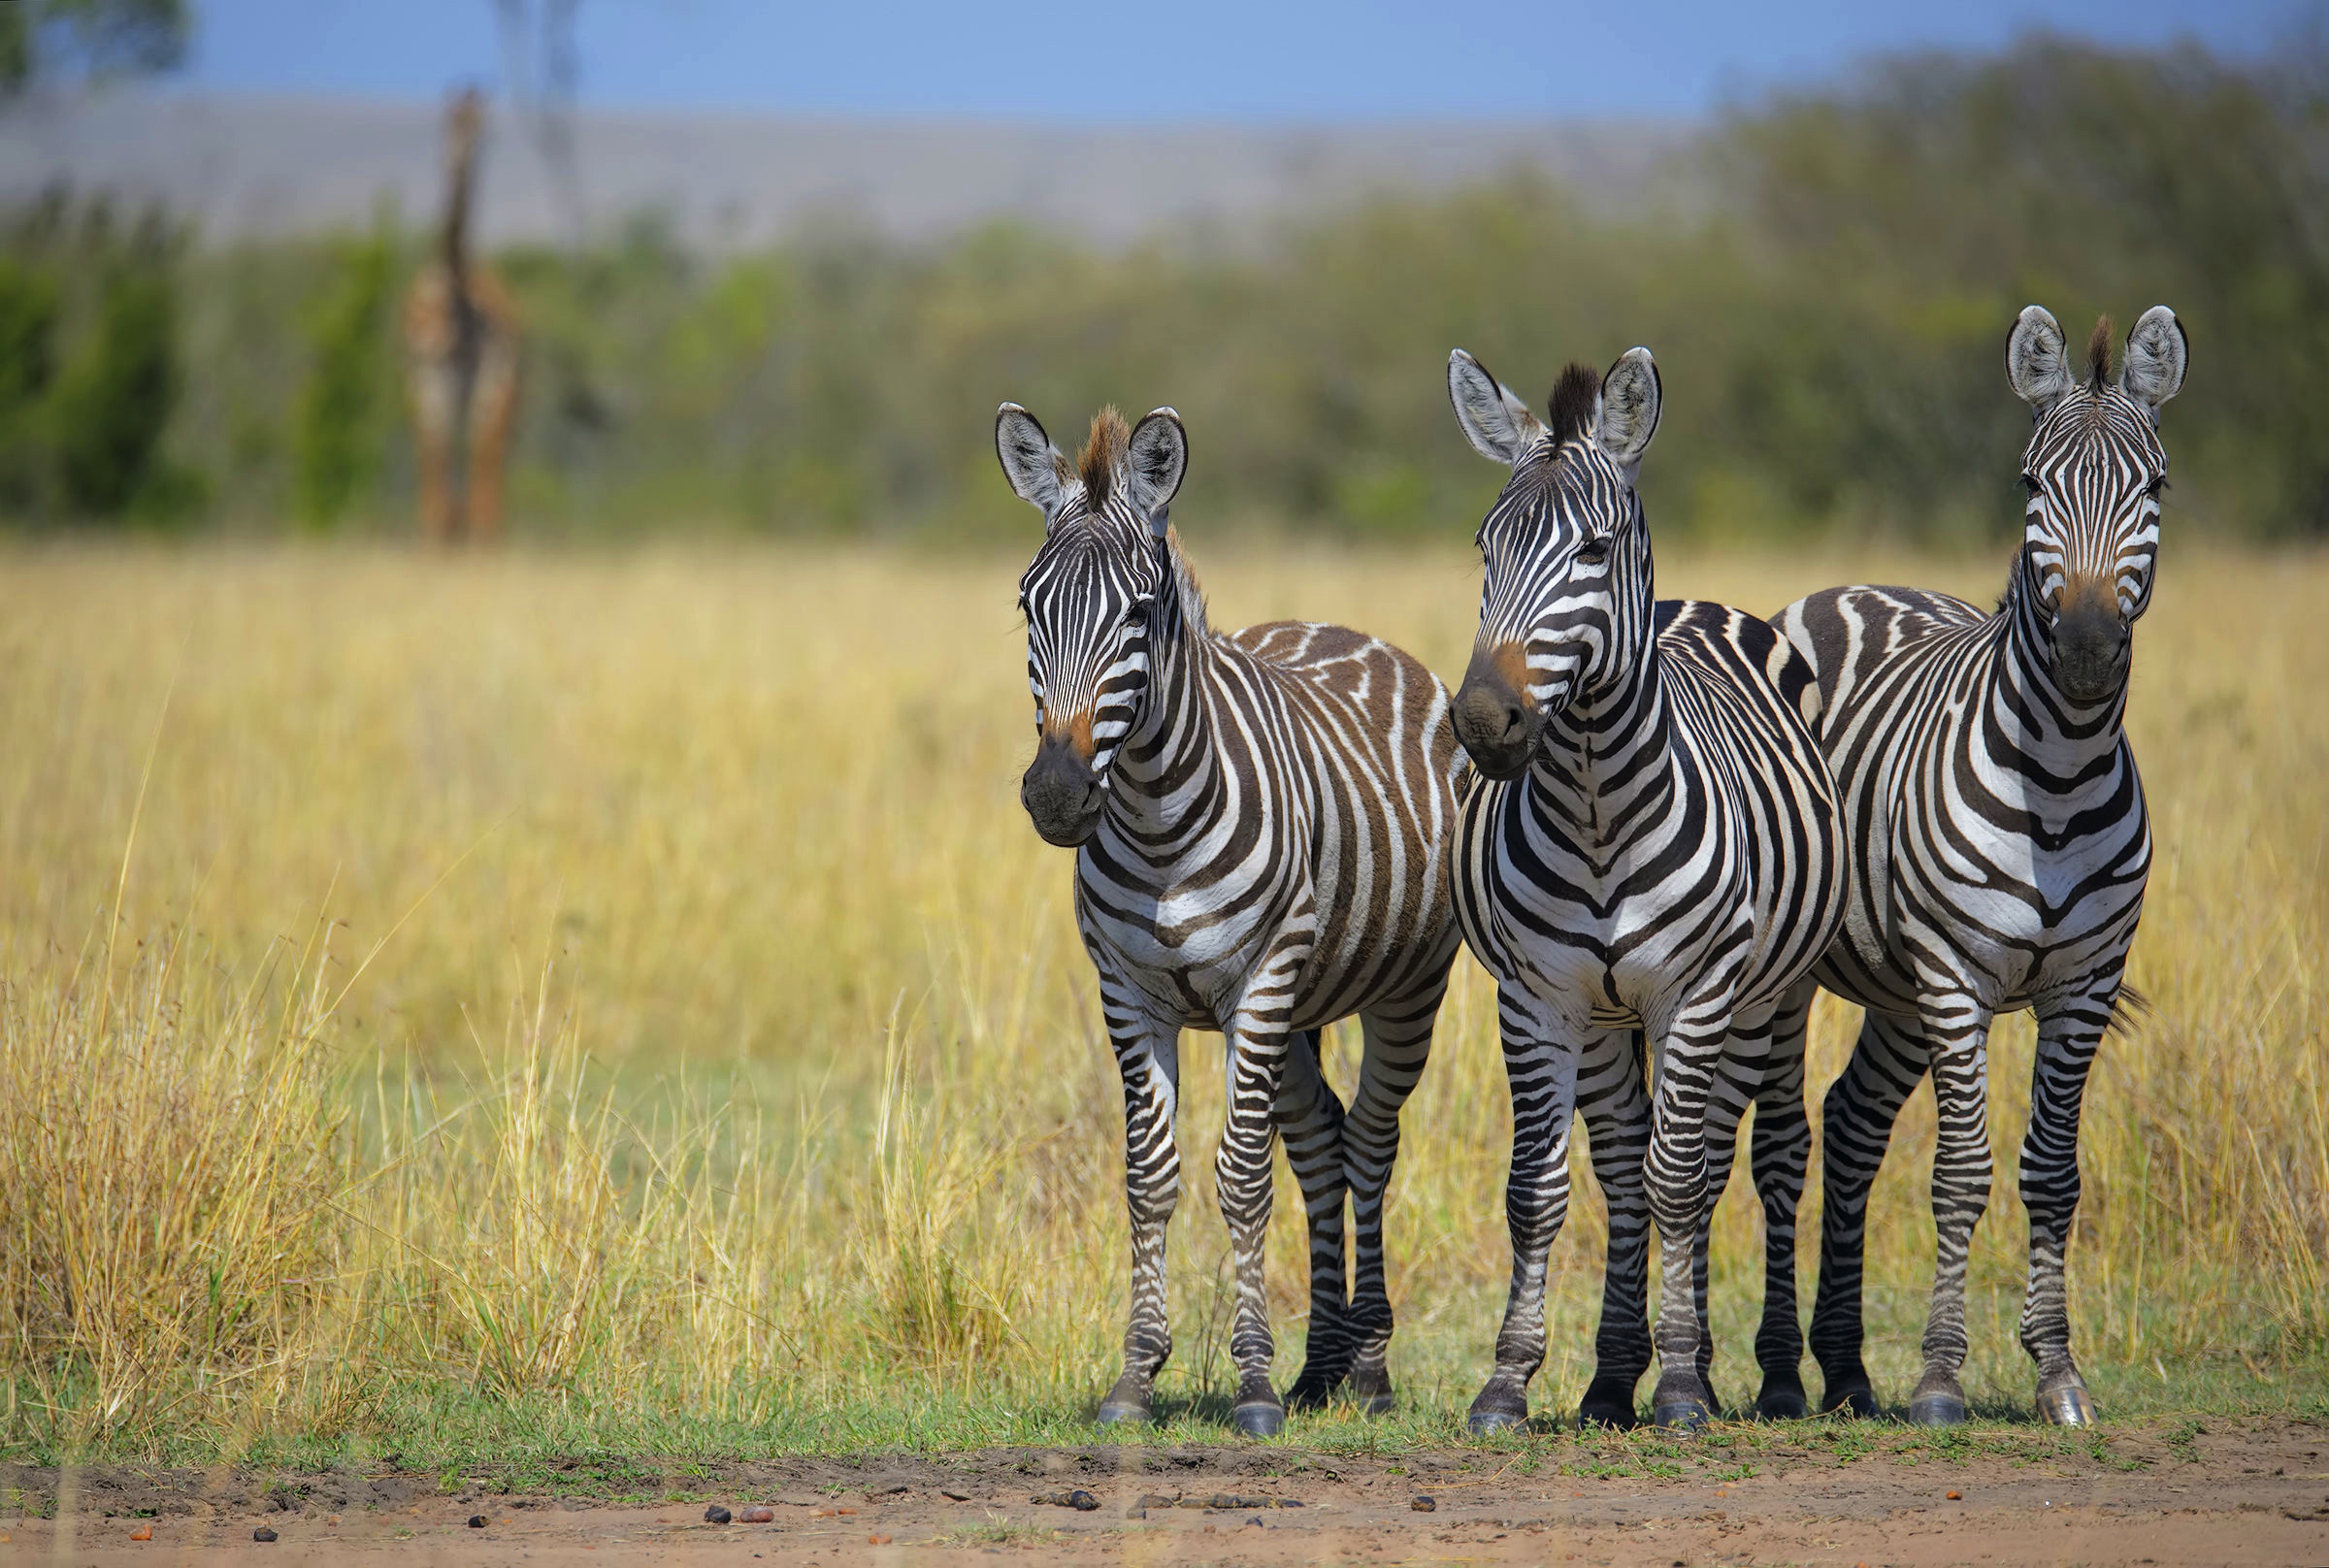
<point x="1498" y="424"/>
<point x="1028" y="459"/>
<point x="2156" y="350"/>
<point x="2036" y="360"/>
<point x="1629" y="407"/>
<point x="1155" y="462"/>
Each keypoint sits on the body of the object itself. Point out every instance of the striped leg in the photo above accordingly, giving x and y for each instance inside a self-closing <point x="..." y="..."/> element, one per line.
<point x="1887" y="1062"/>
<point x="1399" y="1042"/>
<point x="1676" y="1172"/>
<point x="1310" y="1121"/>
<point x="2070" y="1028"/>
<point x="1148" y="1055"/>
<point x="1780" y="1157"/>
<point x="1255" y="1041"/>
<point x="1957" y="1027"/>
<point x="1736" y="1078"/>
<point x="1614" y="1098"/>
<point x="1543" y="1074"/>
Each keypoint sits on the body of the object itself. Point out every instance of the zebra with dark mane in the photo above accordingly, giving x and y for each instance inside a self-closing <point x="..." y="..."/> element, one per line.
<point x="2002" y="844"/>
<point x="1261" y="824"/>
<point x="1655" y="847"/>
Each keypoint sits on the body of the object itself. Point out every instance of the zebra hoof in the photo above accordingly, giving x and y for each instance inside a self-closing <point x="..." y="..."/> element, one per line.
<point x="1850" y="1396"/>
<point x="1688" y="1414"/>
<point x="1371" y="1391"/>
<point x="1608" y="1408"/>
<point x="1782" y="1404"/>
<point x="1501" y="1407"/>
<point x="1307" y="1396"/>
<point x="1256" y="1418"/>
<point x="1937" y="1409"/>
<point x="1681" y="1403"/>
<point x="2065" y="1406"/>
<point x="1125" y="1413"/>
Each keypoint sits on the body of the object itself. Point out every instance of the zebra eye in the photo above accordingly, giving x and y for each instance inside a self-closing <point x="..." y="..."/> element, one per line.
<point x="1594" y="550"/>
<point x="2029" y="483"/>
<point x="2154" y="489"/>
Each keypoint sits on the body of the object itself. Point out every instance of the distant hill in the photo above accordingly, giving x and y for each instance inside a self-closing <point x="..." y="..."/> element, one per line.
<point x="258" y="166"/>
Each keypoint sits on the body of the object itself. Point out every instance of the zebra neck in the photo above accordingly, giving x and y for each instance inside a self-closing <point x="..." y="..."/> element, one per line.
<point x="1610" y="747"/>
<point x="1175" y="720"/>
<point x="2035" y="717"/>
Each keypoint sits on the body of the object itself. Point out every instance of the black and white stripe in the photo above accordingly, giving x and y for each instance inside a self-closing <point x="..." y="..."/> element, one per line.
<point x="1655" y="848"/>
<point x="2002" y="847"/>
<point x="1263" y="825"/>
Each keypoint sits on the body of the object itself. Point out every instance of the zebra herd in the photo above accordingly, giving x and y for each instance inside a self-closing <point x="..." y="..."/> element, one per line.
<point x="1659" y="826"/>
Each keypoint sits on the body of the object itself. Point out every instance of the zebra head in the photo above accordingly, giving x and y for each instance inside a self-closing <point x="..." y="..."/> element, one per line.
<point x="2094" y="468"/>
<point x="1567" y="596"/>
<point x="1090" y="596"/>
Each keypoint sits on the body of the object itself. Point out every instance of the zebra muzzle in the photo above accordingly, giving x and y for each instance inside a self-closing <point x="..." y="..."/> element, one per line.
<point x="1062" y="797"/>
<point x="1493" y="721"/>
<point x="2092" y="644"/>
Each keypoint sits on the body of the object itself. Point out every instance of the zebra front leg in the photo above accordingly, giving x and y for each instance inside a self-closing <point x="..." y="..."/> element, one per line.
<point x="1543" y="1074"/>
<point x="1148" y="1056"/>
<point x="1856" y="1118"/>
<point x="2070" y="1030"/>
<point x="1676" y="1173"/>
<point x="1737" y="1075"/>
<point x="1957" y="1027"/>
<point x="1399" y="1042"/>
<point x="1613" y="1096"/>
<point x="1255" y="1041"/>
<point x="1310" y="1124"/>
<point x="1780" y="1157"/>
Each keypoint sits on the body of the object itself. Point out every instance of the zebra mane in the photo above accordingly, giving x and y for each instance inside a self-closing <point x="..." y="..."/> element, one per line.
<point x="1576" y="400"/>
<point x="1102" y="454"/>
<point x="2098" y="352"/>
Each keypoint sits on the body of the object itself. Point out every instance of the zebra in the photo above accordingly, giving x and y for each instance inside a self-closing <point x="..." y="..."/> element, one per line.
<point x="2003" y="847"/>
<point x="1263" y="824"/>
<point x="1655" y="847"/>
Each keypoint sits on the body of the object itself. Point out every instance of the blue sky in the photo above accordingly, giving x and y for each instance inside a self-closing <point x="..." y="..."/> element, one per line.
<point x="1041" y="60"/>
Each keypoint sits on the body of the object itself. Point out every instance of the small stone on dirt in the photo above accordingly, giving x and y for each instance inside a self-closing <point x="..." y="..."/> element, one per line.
<point x="262" y="1533"/>
<point x="758" y="1516"/>
<point x="477" y="1522"/>
<point x="878" y="1538"/>
<point x="143" y="1532"/>
<point x="716" y="1515"/>
<point x="954" y="1496"/>
<point x="1082" y="1501"/>
<point x="1956" y="1496"/>
<point x="1424" y="1503"/>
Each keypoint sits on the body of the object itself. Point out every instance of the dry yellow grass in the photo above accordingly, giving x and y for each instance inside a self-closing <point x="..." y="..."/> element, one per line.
<point x="738" y="1057"/>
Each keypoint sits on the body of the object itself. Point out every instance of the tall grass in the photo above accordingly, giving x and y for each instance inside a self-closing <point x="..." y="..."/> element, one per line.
<point x="800" y="1117"/>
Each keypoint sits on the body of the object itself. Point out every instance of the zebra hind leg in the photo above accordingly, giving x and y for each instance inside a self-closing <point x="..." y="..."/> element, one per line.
<point x="1399" y="1042"/>
<point x="1310" y="1124"/>
<point x="1614" y="1099"/>
<point x="1856" y="1124"/>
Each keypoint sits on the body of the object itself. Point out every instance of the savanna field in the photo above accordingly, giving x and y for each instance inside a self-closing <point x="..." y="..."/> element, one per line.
<point x="569" y="1002"/>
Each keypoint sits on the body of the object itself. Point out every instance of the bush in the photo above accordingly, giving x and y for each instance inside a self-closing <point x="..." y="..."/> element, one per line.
<point x="115" y="403"/>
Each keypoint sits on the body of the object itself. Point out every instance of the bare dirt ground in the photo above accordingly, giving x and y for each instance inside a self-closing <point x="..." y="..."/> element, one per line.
<point x="2218" y="1492"/>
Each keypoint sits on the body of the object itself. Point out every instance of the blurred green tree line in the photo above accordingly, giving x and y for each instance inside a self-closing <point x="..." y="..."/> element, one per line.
<point x="1828" y="288"/>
